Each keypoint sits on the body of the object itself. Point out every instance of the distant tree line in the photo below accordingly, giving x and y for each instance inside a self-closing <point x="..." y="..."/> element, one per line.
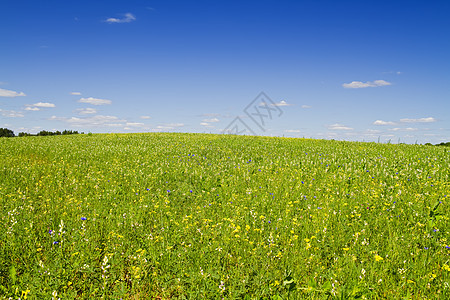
<point x="441" y="144"/>
<point x="5" y="132"/>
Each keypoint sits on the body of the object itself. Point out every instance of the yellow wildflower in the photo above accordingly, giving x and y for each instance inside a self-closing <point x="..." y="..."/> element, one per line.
<point x="378" y="258"/>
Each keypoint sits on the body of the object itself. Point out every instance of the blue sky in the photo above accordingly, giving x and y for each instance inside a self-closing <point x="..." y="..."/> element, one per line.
<point x="346" y="70"/>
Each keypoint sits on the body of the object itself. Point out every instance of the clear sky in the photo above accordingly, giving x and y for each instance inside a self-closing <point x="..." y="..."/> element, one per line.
<point x="347" y="70"/>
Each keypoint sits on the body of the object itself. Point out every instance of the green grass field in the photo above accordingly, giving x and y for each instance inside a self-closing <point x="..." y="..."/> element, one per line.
<point x="173" y="216"/>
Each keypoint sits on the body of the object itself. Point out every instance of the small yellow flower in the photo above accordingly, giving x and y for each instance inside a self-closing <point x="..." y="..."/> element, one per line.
<point x="378" y="258"/>
<point x="446" y="268"/>
<point x="25" y="293"/>
<point x="345" y="249"/>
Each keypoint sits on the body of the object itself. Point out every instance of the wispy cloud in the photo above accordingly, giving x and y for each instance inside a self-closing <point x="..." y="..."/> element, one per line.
<point x="207" y="125"/>
<point x="210" y="115"/>
<point x="281" y="103"/>
<point x="372" y="131"/>
<point x="95" y="101"/>
<point x="393" y="72"/>
<point x="75" y="93"/>
<point x="421" y="120"/>
<point x="170" y="126"/>
<point x="86" y="111"/>
<point x="292" y="130"/>
<point x="404" y="129"/>
<point x="38" y="106"/>
<point x="134" y="124"/>
<point x="381" y="122"/>
<point x="212" y="120"/>
<point x="338" y="126"/>
<point x="360" y="84"/>
<point x="98" y="120"/>
<point x="306" y="106"/>
<point x="11" y="113"/>
<point x="128" y="17"/>
<point x="10" y="94"/>
<point x="145" y="117"/>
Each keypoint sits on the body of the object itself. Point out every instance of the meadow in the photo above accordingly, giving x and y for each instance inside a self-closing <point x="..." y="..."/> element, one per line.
<point x="196" y="216"/>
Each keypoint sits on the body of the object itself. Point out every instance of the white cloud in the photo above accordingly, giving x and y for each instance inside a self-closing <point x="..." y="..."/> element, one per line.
<point x="146" y="117"/>
<point x="360" y="84"/>
<point x="95" y="120"/>
<point x="393" y="72"/>
<point x="75" y="93"/>
<point x="98" y="120"/>
<point x="55" y="118"/>
<point x="129" y="17"/>
<point x="381" y="122"/>
<point x="176" y="124"/>
<point x="306" y="106"/>
<point x="281" y="103"/>
<point x="10" y="94"/>
<point x="43" y="104"/>
<point x="373" y="131"/>
<point x="38" y="106"/>
<point x="213" y="120"/>
<point x="292" y="130"/>
<point x="32" y="108"/>
<point x="403" y="129"/>
<point x="421" y="120"/>
<point x="95" y="101"/>
<point x="113" y="124"/>
<point x="338" y="126"/>
<point x="134" y="124"/>
<point x="204" y="124"/>
<point x="210" y="115"/>
<point x="86" y="111"/>
<point x="11" y="113"/>
<point x="170" y="126"/>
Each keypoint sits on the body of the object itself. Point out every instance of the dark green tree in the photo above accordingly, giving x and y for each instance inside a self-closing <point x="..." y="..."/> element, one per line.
<point x="5" y="132"/>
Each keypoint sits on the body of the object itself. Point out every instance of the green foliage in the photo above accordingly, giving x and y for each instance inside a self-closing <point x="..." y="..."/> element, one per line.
<point x="47" y="133"/>
<point x="5" y="132"/>
<point x="168" y="216"/>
